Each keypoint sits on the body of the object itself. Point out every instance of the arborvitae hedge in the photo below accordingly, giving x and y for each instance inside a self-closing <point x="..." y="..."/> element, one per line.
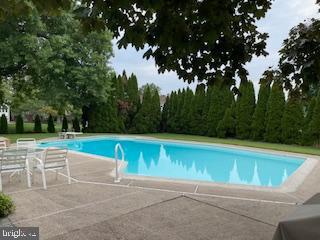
<point x="245" y="106"/>
<point x="164" y="115"/>
<point x="306" y="135"/>
<point x="259" y="117"/>
<point x="314" y="126"/>
<point x="143" y="120"/>
<point x="65" y="126"/>
<point x="220" y="99"/>
<point x="275" y="110"/>
<point x="185" y="111"/>
<point x="76" y="124"/>
<point x="292" y="120"/>
<point x="196" y="112"/>
<point x="3" y="125"/>
<point x="226" y="125"/>
<point x="51" y="128"/>
<point x="37" y="124"/>
<point x="19" y="124"/>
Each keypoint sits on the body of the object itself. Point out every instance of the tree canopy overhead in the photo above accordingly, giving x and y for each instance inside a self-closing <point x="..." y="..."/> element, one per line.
<point x="196" y="39"/>
<point x="300" y="57"/>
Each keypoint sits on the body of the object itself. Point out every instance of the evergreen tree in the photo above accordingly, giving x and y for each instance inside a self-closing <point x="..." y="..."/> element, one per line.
<point x="172" y="124"/>
<point x="164" y="115"/>
<point x="185" y="112"/>
<point x="178" y="111"/>
<point x="275" y="108"/>
<point x="64" y="124"/>
<point x="143" y="121"/>
<point x="221" y="99"/>
<point x="314" y="126"/>
<point x="306" y="135"/>
<point x="226" y="126"/>
<point x="292" y="120"/>
<point x="37" y="124"/>
<point x="51" y="128"/>
<point x="19" y="124"/>
<point x="196" y="111"/>
<point x="156" y="111"/>
<point x="76" y="125"/>
<point x="245" y="106"/>
<point x="259" y="116"/>
<point x="103" y="117"/>
<point x="133" y="99"/>
<point x="3" y="125"/>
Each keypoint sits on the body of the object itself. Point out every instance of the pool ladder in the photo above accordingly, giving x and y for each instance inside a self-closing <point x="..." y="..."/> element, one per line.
<point x="118" y="146"/>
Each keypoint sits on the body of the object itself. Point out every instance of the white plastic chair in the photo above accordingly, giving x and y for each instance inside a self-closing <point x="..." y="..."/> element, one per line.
<point x="14" y="160"/>
<point x="54" y="160"/>
<point x="26" y="143"/>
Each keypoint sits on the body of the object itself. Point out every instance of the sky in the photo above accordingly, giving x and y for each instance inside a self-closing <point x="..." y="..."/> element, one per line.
<point x="283" y="15"/>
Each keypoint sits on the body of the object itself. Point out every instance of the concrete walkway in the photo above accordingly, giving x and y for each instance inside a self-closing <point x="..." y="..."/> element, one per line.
<point x="92" y="207"/>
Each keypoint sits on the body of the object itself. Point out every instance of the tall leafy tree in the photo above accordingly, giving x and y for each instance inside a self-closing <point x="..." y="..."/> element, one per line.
<point x="76" y="124"/>
<point x="292" y="120"/>
<point x="50" y="55"/>
<point x="259" y="116"/>
<point x="245" y="106"/>
<point x="300" y="60"/>
<point x="275" y="108"/>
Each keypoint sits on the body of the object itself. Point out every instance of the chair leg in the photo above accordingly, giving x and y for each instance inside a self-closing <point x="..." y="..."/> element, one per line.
<point x="68" y="171"/>
<point x="0" y="182"/>
<point x="44" y="181"/>
<point x="28" y="174"/>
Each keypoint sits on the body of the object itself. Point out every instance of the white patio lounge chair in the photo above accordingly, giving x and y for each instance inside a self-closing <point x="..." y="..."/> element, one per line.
<point x="26" y="143"/>
<point x="54" y="160"/>
<point x="14" y="160"/>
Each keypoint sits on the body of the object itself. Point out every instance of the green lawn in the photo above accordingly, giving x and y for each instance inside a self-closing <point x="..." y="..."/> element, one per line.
<point x="247" y="143"/>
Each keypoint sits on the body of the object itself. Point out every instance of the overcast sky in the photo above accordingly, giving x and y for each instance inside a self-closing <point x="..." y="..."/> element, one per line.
<point x="283" y="15"/>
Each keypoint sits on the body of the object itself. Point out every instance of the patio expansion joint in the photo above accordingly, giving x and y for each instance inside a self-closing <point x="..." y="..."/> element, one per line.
<point x="74" y="208"/>
<point x="232" y="212"/>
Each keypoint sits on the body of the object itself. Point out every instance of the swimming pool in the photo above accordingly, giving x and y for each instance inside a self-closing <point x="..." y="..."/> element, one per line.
<point x="188" y="161"/>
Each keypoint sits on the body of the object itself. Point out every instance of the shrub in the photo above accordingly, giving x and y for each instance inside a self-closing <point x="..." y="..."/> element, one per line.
<point x="76" y="125"/>
<point x="3" y="124"/>
<point x="6" y="205"/>
<point x="51" y="128"/>
<point x="64" y="124"/>
<point x="19" y="124"/>
<point x="37" y="124"/>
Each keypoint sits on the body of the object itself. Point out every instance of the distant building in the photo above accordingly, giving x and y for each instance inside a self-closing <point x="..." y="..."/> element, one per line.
<point x="5" y="110"/>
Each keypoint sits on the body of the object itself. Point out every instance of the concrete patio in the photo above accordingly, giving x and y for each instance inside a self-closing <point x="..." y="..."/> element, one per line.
<point x="93" y="207"/>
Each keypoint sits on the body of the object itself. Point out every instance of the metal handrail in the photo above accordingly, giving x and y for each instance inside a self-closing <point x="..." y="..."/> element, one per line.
<point x="117" y="175"/>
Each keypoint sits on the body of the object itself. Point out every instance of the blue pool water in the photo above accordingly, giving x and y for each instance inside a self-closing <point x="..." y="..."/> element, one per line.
<point x="191" y="161"/>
